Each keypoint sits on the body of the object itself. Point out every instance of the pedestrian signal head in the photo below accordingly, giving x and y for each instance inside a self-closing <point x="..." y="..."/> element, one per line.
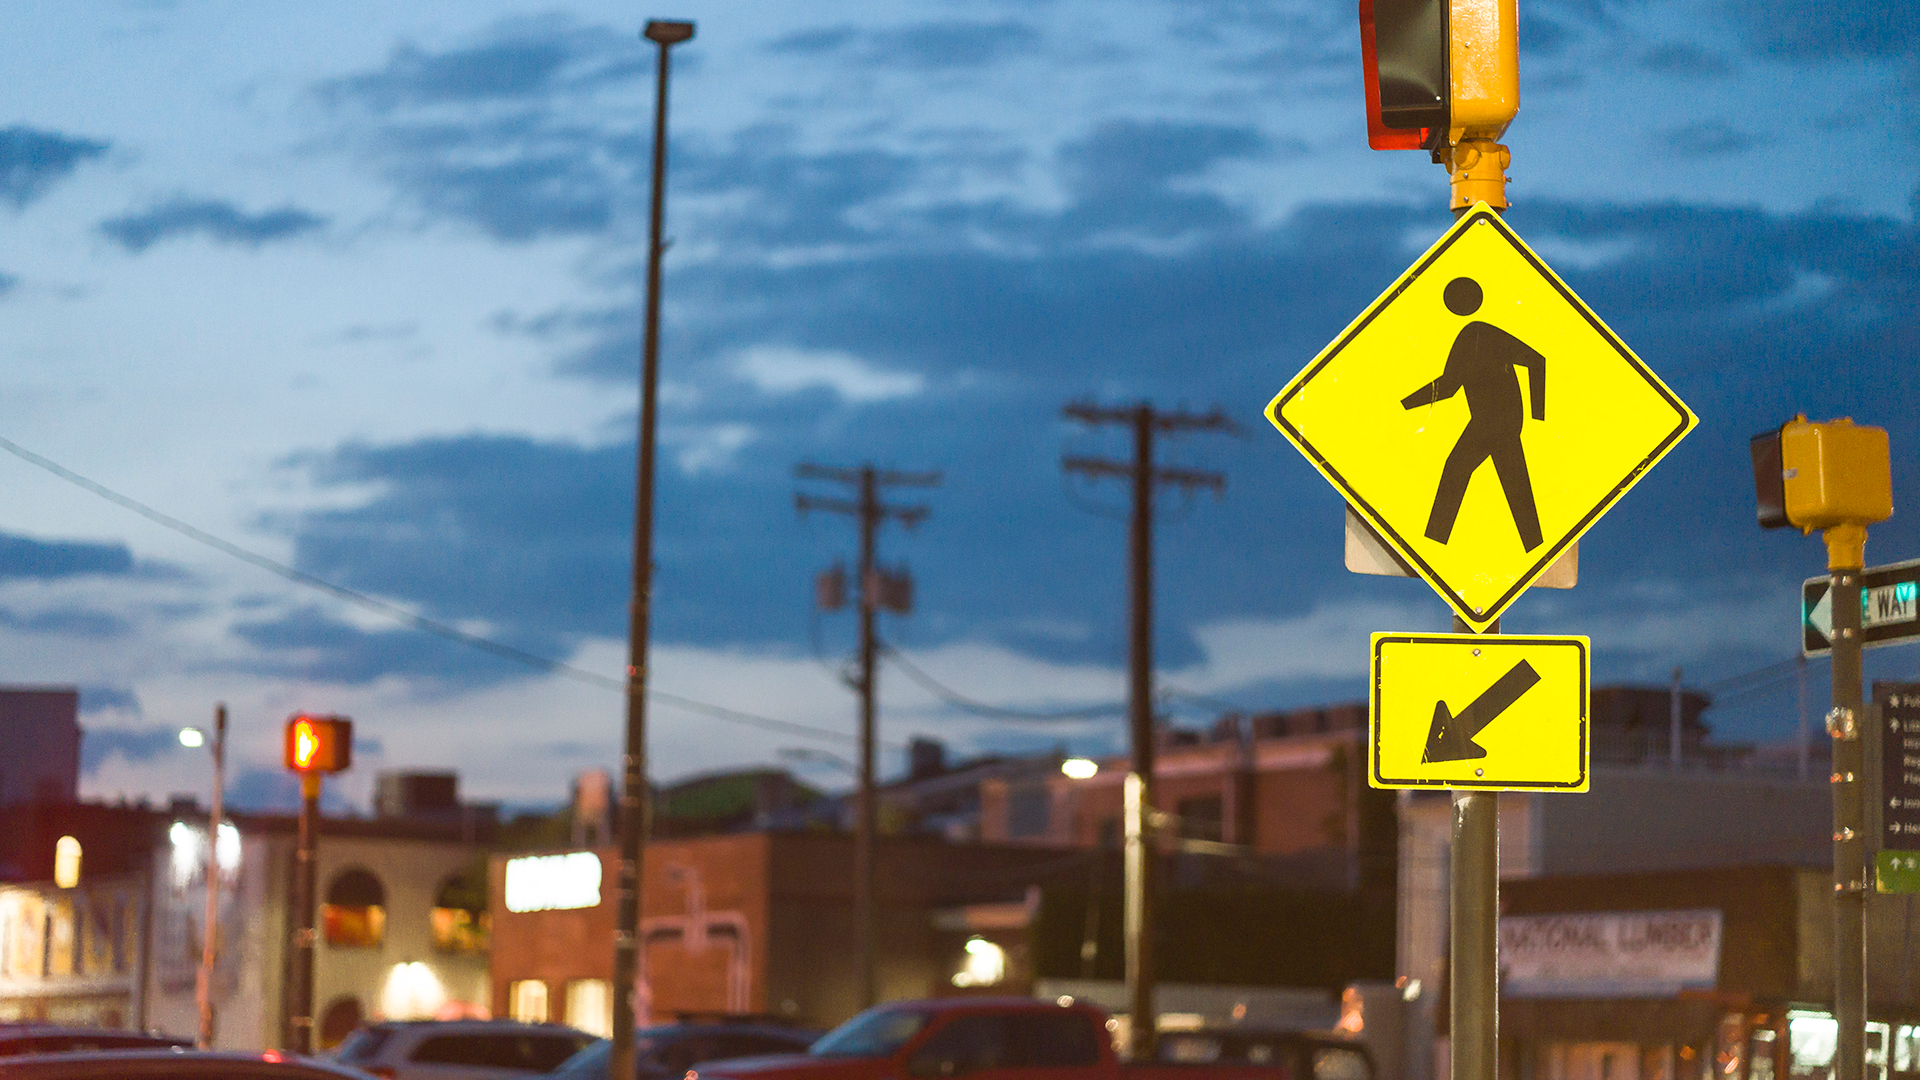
<point x="1819" y="475"/>
<point x="319" y="744"/>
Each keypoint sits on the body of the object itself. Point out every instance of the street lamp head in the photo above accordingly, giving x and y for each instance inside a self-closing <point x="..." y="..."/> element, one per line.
<point x="667" y="32"/>
<point x="192" y="737"/>
<point x="1080" y="768"/>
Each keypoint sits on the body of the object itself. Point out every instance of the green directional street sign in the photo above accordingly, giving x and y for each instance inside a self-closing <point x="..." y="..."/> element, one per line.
<point x="1889" y="608"/>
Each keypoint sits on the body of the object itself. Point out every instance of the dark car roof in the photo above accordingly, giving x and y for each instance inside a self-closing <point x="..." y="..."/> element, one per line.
<point x="981" y="1004"/>
<point x="39" y="1031"/>
<point x="706" y="1027"/>
<point x="184" y="1064"/>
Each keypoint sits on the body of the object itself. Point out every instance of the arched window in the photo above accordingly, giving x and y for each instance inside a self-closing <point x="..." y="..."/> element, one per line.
<point x="338" y="1021"/>
<point x="460" y="911"/>
<point x="355" y="914"/>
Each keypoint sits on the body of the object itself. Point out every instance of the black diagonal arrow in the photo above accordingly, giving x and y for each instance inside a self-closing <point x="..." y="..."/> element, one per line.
<point x="1451" y="737"/>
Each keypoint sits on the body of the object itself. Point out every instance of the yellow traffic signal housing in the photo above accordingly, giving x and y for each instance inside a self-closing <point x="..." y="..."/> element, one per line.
<point x="1483" y="68"/>
<point x="319" y="744"/>
<point x="1819" y="475"/>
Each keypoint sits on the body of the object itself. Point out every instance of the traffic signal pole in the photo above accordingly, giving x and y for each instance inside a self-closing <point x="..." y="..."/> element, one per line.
<point x="1836" y="476"/>
<point x="1846" y="550"/>
<point x="299" y="1034"/>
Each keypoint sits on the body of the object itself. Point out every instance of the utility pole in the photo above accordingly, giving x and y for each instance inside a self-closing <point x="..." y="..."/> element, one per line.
<point x="871" y="513"/>
<point x="635" y="801"/>
<point x="1140" y="812"/>
<point x="209" y="945"/>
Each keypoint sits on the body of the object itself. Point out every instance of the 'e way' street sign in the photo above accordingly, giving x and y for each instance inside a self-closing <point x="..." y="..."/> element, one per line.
<point x="1500" y="712"/>
<point x="1889" y="608"/>
<point x="1479" y="355"/>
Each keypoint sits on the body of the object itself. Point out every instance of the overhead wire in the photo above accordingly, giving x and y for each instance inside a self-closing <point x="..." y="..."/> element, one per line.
<point x="981" y="708"/>
<point x="402" y="615"/>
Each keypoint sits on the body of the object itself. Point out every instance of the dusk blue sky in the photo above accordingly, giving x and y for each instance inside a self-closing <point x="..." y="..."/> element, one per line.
<point x="357" y="287"/>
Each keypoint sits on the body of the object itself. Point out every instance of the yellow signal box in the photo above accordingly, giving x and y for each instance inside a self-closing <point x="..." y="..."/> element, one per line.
<point x="1835" y="473"/>
<point x="1483" y="67"/>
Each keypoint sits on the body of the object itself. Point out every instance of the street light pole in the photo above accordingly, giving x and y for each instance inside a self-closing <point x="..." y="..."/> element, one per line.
<point x="203" y="981"/>
<point x="634" y="802"/>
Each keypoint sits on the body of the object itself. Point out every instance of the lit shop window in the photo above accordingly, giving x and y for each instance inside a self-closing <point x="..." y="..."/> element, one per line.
<point x="985" y="964"/>
<point x="527" y="1001"/>
<point x="355" y="914"/>
<point x="66" y="862"/>
<point x="459" y="914"/>
<point x="590" y="1006"/>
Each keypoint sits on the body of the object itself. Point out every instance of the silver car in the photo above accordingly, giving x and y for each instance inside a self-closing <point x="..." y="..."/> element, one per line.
<point x="459" y="1049"/>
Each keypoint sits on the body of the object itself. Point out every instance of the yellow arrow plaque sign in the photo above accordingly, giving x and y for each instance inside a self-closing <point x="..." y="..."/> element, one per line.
<point x="1497" y="711"/>
<point x="1479" y="416"/>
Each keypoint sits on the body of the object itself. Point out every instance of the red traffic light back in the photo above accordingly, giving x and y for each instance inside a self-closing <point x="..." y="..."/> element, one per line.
<point x="1403" y="44"/>
<point x="319" y="744"/>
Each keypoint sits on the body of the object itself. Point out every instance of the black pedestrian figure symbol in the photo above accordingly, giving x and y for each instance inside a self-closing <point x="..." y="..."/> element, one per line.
<point x="1482" y="363"/>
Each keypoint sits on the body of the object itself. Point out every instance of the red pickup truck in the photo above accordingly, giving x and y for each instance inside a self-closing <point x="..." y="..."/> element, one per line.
<point x="979" y="1038"/>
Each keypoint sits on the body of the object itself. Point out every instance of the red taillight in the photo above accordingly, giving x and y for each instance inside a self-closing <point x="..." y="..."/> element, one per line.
<point x="272" y="1055"/>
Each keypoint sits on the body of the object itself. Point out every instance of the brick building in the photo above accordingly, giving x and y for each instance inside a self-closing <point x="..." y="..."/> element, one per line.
<point x="759" y="922"/>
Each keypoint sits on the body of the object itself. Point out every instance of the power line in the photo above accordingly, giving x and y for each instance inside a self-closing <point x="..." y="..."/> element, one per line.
<point x="981" y="708"/>
<point x="408" y="618"/>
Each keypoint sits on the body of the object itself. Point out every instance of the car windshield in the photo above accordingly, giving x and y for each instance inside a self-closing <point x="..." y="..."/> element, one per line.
<point x="591" y="1059"/>
<point x="362" y="1044"/>
<point x="874" y="1033"/>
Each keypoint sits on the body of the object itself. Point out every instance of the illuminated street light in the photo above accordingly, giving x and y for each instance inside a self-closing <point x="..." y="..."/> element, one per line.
<point x="192" y="738"/>
<point x="1079" y="768"/>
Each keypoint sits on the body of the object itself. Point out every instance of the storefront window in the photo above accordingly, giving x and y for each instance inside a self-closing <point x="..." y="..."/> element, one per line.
<point x="1760" y="1055"/>
<point x="1906" y="1048"/>
<point x="527" y="1000"/>
<point x="1811" y="1038"/>
<point x="459" y="915"/>
<point x="355" y="914"/>
<point x="590" y="1006"/>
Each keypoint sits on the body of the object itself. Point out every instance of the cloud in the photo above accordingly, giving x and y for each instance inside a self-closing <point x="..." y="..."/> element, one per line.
<point x="69" y="622"/>
<point x="1708" y="138"/>
<point x="1830" y="30"/>
<point x="24" y="558"/>
<point x="532" y="538"/>
<point x="776" y="370"/>
<point x="516" y="60"/>
<point x="216" y="220"/>
<point x="7" y="283"/>
<point x="108" y="698"/>
<point x="929" y="46"/>
<point x="1687" y="60"/>
<point x="132" y="744"/>
<point x="32" y="161"/>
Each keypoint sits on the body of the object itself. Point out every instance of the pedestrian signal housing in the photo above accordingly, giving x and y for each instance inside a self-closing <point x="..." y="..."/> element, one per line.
<point x="319" y="744"/>
<point x="1818" y="475"/>
<point x="1439" y="71"/>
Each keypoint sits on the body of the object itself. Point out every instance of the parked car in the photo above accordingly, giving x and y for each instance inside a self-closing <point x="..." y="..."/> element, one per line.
<point x="667" y="1051"/>
<point x="981" y="1038"/>
<point x="53" y="1039"/>
<point x="459" y="1049"/>
<point x="1308" y="1055"/>
<point x="173" y="1064"/>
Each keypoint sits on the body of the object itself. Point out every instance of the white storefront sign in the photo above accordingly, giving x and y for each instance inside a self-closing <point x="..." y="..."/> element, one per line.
<point x="553" y="882"/>
<point x="1640" y="954"/>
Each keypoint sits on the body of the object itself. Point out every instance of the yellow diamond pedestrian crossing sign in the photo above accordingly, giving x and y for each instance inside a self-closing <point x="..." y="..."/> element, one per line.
<point x="1480" y="416"/>
<point x="1494" y="711"/>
